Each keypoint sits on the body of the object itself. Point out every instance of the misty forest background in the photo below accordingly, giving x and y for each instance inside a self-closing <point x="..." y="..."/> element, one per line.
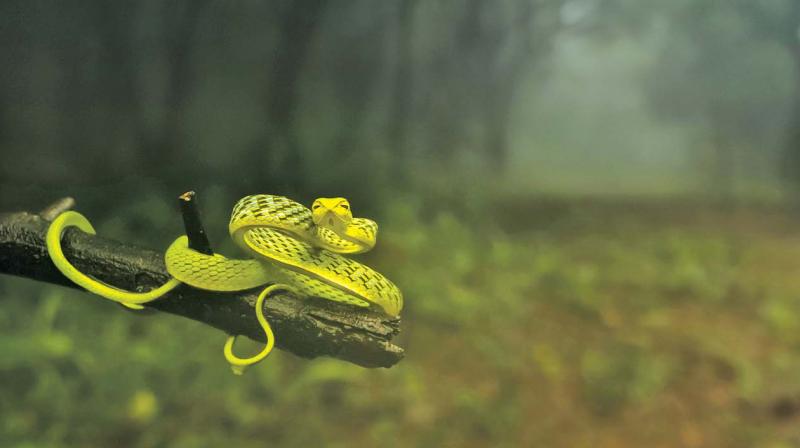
<point x="590" y="206"/>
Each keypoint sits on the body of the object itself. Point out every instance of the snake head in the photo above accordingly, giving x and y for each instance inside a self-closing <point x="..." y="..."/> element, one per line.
<point x="332" y="213"/>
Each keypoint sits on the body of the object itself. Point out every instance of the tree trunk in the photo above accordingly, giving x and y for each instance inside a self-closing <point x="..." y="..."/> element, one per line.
<point x="724" y="170"/>
<point x="504" y="77"/>
<point x="180" y="26"/>
<point x="119" y="91"/>
<point x="401" y="98"/>
<point x="498" y="112"/>
<point x="361" y="58"/>
<point x="791" y="166"/>
<point x="297" y="31"/>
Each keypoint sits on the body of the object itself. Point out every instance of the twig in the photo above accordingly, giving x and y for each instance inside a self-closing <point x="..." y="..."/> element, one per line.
<point x="198" y="240"/>
<point x="58" y="207"/>
<point x="307" y="328"/>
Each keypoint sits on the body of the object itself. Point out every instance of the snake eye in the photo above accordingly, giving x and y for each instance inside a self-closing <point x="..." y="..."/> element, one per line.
<point x="344" y="206"/>
<point x="315" y="206"/>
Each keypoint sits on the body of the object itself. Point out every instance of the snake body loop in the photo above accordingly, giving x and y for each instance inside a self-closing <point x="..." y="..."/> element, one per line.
<point x="293" y="247"/>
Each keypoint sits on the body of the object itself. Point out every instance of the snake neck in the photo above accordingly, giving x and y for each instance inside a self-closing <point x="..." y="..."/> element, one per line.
<point x="359" y="237"/>
<point x="283" y="214"/>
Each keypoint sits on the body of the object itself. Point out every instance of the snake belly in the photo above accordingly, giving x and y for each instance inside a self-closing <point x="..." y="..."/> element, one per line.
<point x="289" y="248"/>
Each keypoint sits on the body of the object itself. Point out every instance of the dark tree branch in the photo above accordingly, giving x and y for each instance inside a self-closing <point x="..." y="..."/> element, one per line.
<point x="305" y="327"/>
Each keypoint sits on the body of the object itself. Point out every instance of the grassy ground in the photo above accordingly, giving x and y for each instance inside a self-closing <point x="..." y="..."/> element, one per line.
<point x="541" y="323"/>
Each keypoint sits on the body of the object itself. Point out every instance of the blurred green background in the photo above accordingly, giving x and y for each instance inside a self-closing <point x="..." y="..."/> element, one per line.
<point x="590" y="205"/>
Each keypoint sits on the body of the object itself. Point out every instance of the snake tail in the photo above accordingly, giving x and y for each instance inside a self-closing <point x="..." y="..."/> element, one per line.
<point x="127" y="298"/>
<point x="238" y="365"/>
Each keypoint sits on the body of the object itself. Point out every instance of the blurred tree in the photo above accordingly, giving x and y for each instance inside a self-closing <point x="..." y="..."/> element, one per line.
<point x="73" y="45"/>
<point x="121" y="89"/>
<point x="4" y="80"/>
<point x="4" y="125"/>
<point x="779" y="21"/>
<point x="712" y="75"/>
<point x="476" y="70"/>
<point x="296" y="30"/>
<point x="114" y="85"/>
<point x="357" y="62"/>
<point x="519" y="45"/>
<point x="400" y="108"/>
<point x="533" y="28"/>
<point x="719" y="71"/>
<point x="179" y="19"/>
<point x="103" y="95"/>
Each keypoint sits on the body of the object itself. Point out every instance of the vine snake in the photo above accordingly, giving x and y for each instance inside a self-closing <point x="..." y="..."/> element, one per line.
<point x="293" y="248"/>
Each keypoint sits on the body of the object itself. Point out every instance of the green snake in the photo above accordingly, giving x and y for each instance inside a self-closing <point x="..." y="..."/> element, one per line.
<point x="293" y="248"/>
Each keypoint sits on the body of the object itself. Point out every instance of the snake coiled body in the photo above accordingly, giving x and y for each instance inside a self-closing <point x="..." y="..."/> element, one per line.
<point x="292" y="247"/>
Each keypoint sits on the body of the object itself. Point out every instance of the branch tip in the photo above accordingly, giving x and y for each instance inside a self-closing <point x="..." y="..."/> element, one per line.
<point x="58" y="207"/>
<point x="198" y="240"/>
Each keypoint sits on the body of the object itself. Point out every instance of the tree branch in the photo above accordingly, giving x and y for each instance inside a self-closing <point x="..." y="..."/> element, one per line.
<point x="305" y="327"/>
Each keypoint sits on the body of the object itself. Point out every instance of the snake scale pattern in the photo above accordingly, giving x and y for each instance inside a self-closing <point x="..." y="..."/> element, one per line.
<point x="292" y="247"/>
